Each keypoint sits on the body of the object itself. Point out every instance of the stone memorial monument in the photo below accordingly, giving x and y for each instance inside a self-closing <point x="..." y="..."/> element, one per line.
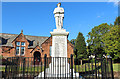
<point x="59" y="43"/>
<point x="59" y="35"/>
<point x="59" y="67"/>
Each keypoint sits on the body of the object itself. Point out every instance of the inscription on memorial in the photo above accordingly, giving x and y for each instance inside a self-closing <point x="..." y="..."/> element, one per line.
<point x="57" y="49"/>
<point x="59" y="46"/>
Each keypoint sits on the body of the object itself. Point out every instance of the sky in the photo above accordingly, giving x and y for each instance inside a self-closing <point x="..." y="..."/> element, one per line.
<point x="37" y="18"/>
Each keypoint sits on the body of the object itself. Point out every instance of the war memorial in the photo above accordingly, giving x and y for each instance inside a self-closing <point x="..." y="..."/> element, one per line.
<point x="59" y="48"/>
<point x="59" y="64"/>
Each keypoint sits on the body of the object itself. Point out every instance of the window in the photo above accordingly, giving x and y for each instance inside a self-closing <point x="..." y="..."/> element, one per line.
<point x="22" y="43"/>
<point x="50" y="50"/>
<point x="20" y="48"/>
<point x="17" y="50"/>
<point x="18" y="43"/>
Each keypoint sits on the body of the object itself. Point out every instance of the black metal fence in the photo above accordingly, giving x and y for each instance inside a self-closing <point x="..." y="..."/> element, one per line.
<point x="52" y="67"/>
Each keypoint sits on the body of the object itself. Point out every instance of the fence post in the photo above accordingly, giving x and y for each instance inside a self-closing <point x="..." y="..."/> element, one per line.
<point x="17" y="66"/>
<point x="71" y="66"/>
<point x="23" y="68"/>
<point x="111" y="68"/>
<point x="105" y="69"/>
<point x="6" y="70"/>
<point x="95" y="68"/>
<point x="102" y="66"/>
<point x="45" y="57"/>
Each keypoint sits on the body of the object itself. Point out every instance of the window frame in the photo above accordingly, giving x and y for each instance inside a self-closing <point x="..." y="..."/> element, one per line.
<point x="20" y="46"/>
<point x="17" y="42"/>
<point x="21" y="52"/>
<point x="16" y="50"/>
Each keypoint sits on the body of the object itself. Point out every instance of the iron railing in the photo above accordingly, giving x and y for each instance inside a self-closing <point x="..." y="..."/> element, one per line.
<point x="59" y="67"/>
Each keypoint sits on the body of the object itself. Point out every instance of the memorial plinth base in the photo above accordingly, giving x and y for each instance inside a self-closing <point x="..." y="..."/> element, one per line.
<point x="59" y="66"/>
<point x="50" y="73"/>
<point x="59" y="43"/>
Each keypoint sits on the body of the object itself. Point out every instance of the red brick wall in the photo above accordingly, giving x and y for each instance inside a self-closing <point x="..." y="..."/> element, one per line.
<point x="70" y="49"/>
<point x="7" y="51"/>
<point x="46" y="47"/>
<point x="29" y="52"/>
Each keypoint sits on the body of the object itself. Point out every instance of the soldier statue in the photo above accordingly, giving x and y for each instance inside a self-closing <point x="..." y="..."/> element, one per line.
<point x="59" y="16"/>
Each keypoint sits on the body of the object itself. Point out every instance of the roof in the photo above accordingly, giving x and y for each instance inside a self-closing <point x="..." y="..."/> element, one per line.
<point x="6" y="39"/>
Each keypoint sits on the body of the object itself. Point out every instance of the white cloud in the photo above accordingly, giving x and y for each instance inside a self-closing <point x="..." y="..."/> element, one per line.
<point x="116" y="2"/>
<point x="98" y="16"/>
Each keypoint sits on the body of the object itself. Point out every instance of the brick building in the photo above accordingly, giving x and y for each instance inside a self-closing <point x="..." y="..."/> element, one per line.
<point x="13" y="45"/>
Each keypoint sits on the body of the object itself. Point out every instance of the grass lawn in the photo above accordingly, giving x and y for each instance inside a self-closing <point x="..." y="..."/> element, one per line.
<point x="2" y="68"/>
<point x="86" y="67"/>
<point x="116" y="67"/>
<point x="29" y="69"/>
<point x="80" y="68"/>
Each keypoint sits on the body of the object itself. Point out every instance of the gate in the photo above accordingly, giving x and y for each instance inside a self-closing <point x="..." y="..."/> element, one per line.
<point x="82" y="68"/>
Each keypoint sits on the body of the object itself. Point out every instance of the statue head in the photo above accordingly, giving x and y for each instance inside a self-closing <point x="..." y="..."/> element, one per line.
<point x="59" y="4"/>
<point x="21" y="31"/>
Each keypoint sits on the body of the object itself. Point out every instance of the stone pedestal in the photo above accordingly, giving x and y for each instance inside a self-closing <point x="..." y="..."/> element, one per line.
<point x="59" y="52"/>
<point x="59" y="66"/>
<point x="59" y="43"/>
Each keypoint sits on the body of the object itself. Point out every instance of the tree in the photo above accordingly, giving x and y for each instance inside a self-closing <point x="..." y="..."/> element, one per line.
<point x="112" y="42"/>
<point x="80" y="46"/>
<point x="73" y="41"/>
<point x="94" y="41"/>
<point x="117" y="21"/>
